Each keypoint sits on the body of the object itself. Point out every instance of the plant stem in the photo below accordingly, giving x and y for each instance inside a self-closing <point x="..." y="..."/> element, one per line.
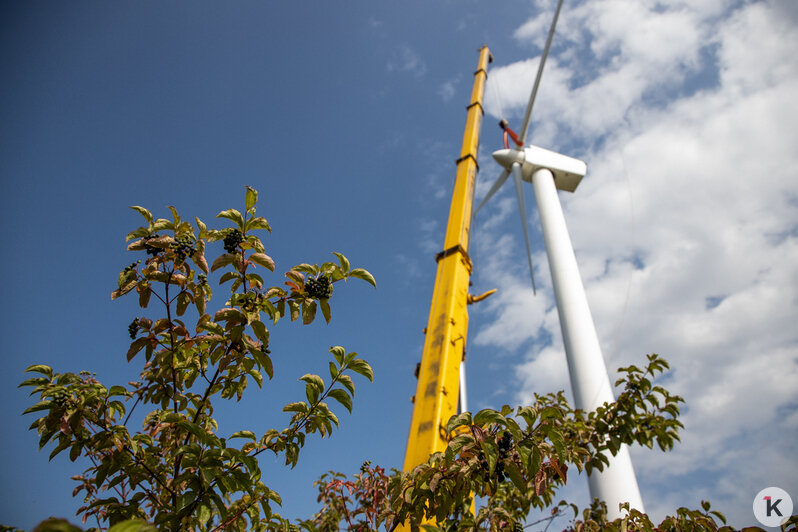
<point x="168" y="304"/>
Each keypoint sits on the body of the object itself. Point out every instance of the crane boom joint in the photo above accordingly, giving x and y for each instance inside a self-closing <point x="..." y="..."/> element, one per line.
<point x="451" y="251"/>
<point x="466" y="157"/>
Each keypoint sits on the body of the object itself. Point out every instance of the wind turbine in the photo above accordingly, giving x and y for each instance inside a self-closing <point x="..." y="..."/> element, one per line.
<point x="549" y="171"/>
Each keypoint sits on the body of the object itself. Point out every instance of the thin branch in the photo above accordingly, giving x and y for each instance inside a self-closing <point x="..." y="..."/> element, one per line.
<point x="153" y="292"/>
<point x="306" y="417"/>
<point x="236" y="515"/>
<point x="130" y="413"/>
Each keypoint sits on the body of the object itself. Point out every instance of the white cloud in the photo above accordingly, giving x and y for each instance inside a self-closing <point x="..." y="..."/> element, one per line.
<point x="447" y="90"/>
<point x="693" y="103"/>
<point x="405" y="59"/>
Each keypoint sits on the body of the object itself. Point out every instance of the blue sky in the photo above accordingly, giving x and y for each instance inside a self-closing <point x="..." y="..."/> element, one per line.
<point x="347" y="118"/>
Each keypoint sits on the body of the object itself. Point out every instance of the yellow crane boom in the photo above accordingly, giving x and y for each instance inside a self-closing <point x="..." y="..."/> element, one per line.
<point x="438" y="386"/>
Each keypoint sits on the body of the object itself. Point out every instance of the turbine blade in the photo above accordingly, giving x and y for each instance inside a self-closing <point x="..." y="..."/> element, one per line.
<point x="528" y="113"/>
<point x="520" y="193"/>
<point x="496" y="186"/>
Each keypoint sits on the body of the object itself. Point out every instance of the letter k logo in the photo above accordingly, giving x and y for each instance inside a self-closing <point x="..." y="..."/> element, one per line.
<point x="772" y="507"/>
<point x="777" y="504"/>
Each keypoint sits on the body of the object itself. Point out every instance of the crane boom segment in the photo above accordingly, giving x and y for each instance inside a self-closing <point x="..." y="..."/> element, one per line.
<point x="444" y="346"/>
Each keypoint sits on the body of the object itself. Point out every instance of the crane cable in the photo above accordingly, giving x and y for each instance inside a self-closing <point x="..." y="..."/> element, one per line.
<point x="633" y="245"/>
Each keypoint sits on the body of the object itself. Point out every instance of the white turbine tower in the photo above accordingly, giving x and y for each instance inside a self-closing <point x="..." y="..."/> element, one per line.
<point x="549" y="171"/>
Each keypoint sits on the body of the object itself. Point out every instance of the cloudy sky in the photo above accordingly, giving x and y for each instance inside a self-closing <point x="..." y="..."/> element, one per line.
<point x="348" y="120"/>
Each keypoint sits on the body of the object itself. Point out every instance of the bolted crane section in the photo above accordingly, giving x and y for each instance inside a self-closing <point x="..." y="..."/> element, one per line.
<point x="438" y="388"/>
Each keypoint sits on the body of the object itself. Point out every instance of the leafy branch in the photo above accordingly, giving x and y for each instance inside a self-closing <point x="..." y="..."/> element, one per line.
<point x="176" y="472"/>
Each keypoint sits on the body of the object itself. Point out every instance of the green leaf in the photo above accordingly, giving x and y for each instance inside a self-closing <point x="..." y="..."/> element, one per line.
<point x="144" y="212"/>
<point x="347" y="382"/>
<point x="160" y="224"/>
<point x="325" y="309"/>
<point x="230" y="314"/>
<point x="137" y="233"/>
<point x="41" y="405"/>
<point x="313" y="380"/>
<point x="154" y="275"/>
<point x="257" y="377"/>
<point x="259" y="223"/>
<point x="195" y="430"/>
<point x="362" y="367"/>
<point x="40" y="368"/>
<point x="308" y="311"/>
<point x="298" y="406"/>
<point x="228" y="276"/>
<point x="136" y="346"/>
<point x="39" y="381"/>
<point x="463" y="419"/>
<point x="137" y="245"/>
<point x="248" y="434"/>
<point x="360" y="273"/>
<point x="343" y="261"/>
<point x="296" y="277"/>
<point x="261" y="332"/>
<point x="198" y="259"/>
<point x="558" y="442"/>
<point x="251" y="198"/>
<point x="342" y="397"/>
<point x="328" y="415"/>
<point x="124" y="290"/>
<point x="160" y="242"/>
<point x="306" y="268"/>
<point x="201" y="226"/>
<point x="118" y="390"/>
<point x="234" y="216"/>
<point x="486" y="416"/>
<point x="293" y="308"/>
<point x="175" y="216"/>
<point x="144" y="294"/>
<point x="51" y="524"/>
<point x="254" y="280"/>
<point x="254" y="242"/>
<point x="515" y="475"/>
<point x="183" y="300"/>
<point x="61" y="446"/>
<point x="527" y="413"/>
<point x="338" y="352"/>
<point x="262" y="259"/>
<point x="74" y="452"/>
<point x="205" y="324"/>
<point x="264" y="361"/>
<point x="222" y="261"/>
<point x="535" y="461"/>
<point x="132" y="525"/>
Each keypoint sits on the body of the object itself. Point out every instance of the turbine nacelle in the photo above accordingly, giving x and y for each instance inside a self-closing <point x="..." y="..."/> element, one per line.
<point x="567" y="171"/>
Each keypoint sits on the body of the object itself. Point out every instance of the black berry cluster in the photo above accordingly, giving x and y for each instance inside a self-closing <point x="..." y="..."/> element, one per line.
<point x="132" y="266"/>
<point x="133" y="328"/>
<point x="151" y="250"/>
<point x="232" y="240"/>
<point x="483" y="462"/>
<point x="319" y="288"/>
<point x="505" y="442"/>
<point x="183" y="247"/>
